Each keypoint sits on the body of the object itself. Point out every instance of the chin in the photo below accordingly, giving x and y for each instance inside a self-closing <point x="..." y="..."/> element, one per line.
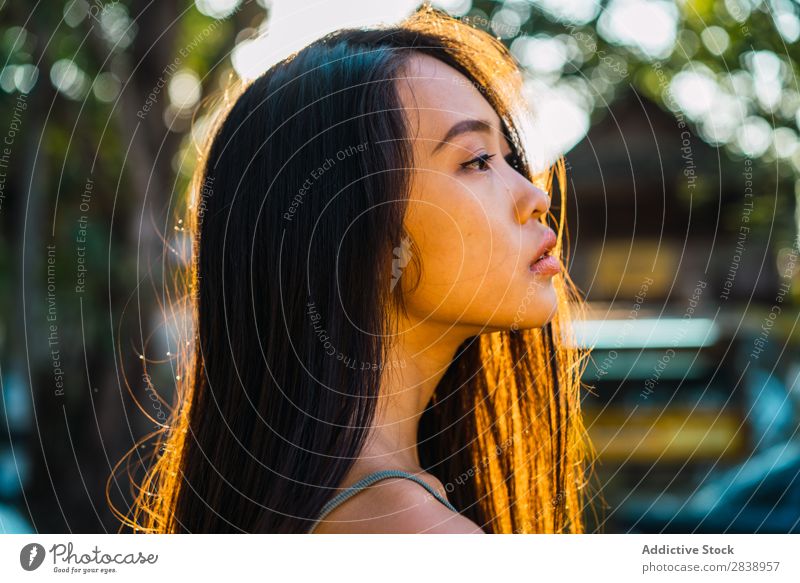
<point x="533" y="307"/>
<point x="536" y="311"/>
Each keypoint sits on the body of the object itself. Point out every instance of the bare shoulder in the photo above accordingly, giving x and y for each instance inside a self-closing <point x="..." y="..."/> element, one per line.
<point x="397" y="506"/>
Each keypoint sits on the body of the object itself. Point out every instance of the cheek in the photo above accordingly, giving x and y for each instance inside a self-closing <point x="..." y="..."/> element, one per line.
<point x="454" y="235"/>
<point x="467" y="249"/>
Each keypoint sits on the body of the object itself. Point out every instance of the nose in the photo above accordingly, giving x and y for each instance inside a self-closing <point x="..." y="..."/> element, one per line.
<point x="531" y="202"/>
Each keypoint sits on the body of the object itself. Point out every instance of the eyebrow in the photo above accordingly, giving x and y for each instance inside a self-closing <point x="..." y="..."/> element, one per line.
<point x="463" y="127"/>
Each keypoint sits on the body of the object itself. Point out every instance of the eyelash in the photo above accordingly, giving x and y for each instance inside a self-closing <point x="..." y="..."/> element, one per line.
<point x="483" y="159"/>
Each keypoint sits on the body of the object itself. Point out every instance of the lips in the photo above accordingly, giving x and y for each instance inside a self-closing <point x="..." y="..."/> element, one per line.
<point x="544" y="263"/>
<point x="547" y="245"/>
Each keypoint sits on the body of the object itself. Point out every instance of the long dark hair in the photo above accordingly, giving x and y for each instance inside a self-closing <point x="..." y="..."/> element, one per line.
<point x="297" y="210"/>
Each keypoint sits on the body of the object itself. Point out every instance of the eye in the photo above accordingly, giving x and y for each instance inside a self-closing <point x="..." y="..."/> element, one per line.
<point x="480" y="163"/>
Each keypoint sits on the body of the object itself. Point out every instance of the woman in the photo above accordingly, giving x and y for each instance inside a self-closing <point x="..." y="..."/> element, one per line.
<point x="382" y="313"/>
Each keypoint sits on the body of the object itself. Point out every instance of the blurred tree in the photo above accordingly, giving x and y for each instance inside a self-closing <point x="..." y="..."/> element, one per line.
<point x="97" y="103"/>
<point x="728" y="69"/>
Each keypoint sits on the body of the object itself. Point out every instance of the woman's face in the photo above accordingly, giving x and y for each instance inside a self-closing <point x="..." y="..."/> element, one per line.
<point x="472" y="216"/>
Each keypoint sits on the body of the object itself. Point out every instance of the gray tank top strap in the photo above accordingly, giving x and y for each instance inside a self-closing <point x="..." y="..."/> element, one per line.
<point x="368" y="481"/>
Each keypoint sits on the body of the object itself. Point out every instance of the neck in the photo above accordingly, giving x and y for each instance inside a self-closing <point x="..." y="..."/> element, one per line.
<point x="417" y="360"/>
